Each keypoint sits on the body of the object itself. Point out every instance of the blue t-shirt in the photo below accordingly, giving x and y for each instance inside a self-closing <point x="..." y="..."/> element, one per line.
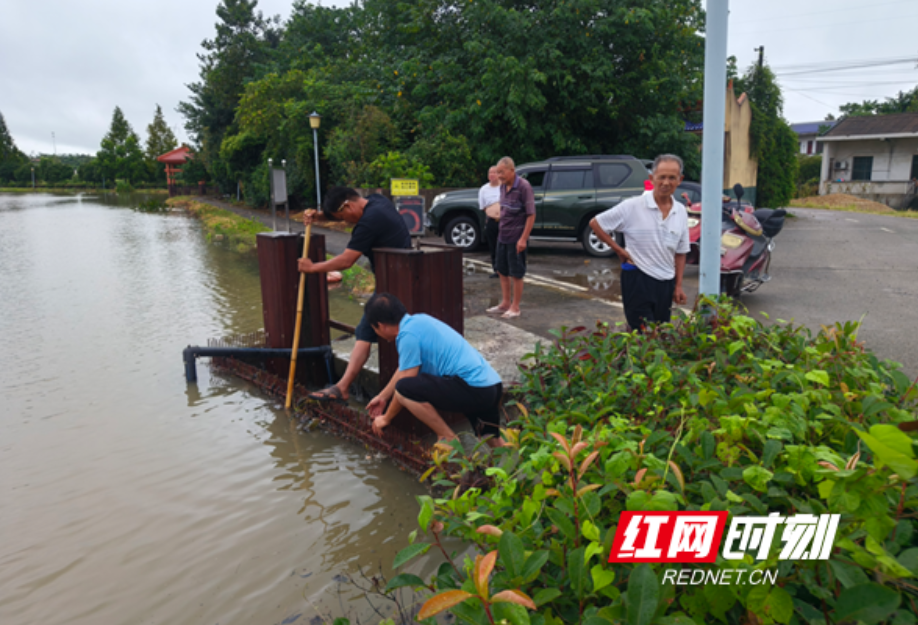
<point x="441" y="351"/>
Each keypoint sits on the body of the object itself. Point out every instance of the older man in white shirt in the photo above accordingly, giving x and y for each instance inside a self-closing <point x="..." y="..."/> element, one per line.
<point x="655" y="226"/>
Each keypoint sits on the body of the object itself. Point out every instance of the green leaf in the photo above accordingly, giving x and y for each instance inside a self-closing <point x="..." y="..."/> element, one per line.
<point x="510" y="612"/>
<point x="602" y="576"/>
<point x="426" y="513"/>
<point x="818" y="376"/>
<point x="708" y="444"/>
<point x="757" y="477"/>
<point x="886" y="450"/>
<point x="404" y="579"/>
<point x="534" y="564"/>
<point x="512" y="553"/>
<point x="770" y="451"/>
<point x="643" y="595"/>
<point x="909" y="559"/>
<point x="848" y="574"/>
<point x="779" y="605"/>
<point x="341" y="621"/>
<point x="591" y="550"/>
<point x="562" y="522"/>
<point x="410" y="552"/>
<point x="576" y="569"/>
<point x="545" y="595"/>
<point x="663" y="500"/>
<point x="869" y="603"/>
<point x="589" y="531"/>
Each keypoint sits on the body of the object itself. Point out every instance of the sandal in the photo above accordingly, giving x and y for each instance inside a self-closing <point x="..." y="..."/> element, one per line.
<point x="329" y="393"/>
<point x="511" y="315"/>
<point x="496" y="310"/>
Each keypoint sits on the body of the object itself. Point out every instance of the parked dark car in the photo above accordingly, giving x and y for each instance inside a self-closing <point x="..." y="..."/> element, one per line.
<point x="569" y="192"/>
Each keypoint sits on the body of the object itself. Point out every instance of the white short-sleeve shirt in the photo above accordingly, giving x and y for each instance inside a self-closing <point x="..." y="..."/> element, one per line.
<point x="488" y="195"/>
<point x="652" y="241"/>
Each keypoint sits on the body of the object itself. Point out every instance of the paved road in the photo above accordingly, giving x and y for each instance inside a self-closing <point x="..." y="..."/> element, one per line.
<point x="828" y="266"/>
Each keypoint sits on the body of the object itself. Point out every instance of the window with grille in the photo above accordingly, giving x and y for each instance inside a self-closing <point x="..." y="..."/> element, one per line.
<point x="862" y="168"/>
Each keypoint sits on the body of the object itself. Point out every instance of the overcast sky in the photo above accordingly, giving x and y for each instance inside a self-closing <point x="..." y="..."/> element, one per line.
<point x="66" y="64"/>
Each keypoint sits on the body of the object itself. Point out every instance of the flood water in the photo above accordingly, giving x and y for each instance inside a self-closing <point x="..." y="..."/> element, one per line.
<point x="132" y="497"/>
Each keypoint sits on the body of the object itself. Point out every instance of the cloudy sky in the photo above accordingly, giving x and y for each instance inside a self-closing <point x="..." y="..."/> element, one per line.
<point x="66" y="64"/>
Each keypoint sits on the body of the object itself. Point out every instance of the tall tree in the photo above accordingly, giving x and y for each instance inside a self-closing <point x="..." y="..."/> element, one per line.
<point x="160" y="138"/>
<point x="234" y="57"/>
<point x="903" y="102"/>
<point x="11" y="157"/>
<point x="774" y="144"/>
<point x="120" y="155"/>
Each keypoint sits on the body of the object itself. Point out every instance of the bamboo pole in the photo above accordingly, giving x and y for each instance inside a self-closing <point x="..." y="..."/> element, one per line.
<point x="299" y="321"/>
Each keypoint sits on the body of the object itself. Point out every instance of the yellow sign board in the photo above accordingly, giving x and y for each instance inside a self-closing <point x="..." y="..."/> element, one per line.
<point x="404" y="186"/>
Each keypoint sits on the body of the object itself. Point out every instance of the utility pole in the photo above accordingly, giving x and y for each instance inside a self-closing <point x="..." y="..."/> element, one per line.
<point x="712" y="155"/>
<point x="54" y="143"/>
<point x="761" y="51"/>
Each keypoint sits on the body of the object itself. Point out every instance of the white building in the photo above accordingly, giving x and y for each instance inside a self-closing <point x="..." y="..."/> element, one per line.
<point x="872" y="156"/>
<point x="807" y="133"/>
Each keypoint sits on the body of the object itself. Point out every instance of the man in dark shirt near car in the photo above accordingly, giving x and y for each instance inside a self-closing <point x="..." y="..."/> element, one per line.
<point x="517" y="216"/>
<point x="377" y="224"/>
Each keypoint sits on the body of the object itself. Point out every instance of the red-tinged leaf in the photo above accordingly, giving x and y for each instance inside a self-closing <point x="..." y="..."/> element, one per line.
<point x="514" y="596"/>
<point x="443" y="601"/>
<point x="639" y="476"/>
<point x="490" y="530"/>
<point x="552" y="492"/>
<point x="576" y="449"/>
<point x="562" y="440"/>
<point x="483" y="567"/>
<point x="852" y="463"/>
<point x="586" y="489"/>
<point x="678" y="473"/>
<point x="436" y="526"/>
<point x="578" y="434"/>
<point x="563" y="459"/>
<point x="600" y="444"/>
<point x="586" y="463"/>
<point x="584" y="355"/>
<point x="827" y="465"/>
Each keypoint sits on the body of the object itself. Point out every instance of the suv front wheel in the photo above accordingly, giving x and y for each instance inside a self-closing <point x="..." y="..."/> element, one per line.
<point x="592" y="245"/>
<point x="463" y="232"/>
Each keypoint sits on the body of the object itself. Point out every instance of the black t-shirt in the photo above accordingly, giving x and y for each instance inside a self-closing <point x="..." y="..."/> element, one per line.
<point x="380" y="226"/>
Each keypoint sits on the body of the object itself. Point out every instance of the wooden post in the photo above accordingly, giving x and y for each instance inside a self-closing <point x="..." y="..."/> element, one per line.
<point x="278" y="253"/>
<point x="426" y="281"/>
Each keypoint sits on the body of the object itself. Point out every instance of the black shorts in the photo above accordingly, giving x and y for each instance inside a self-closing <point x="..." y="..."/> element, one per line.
<point x="510" y="263"/>
<point x="646" y="299"/>
<point x="365" y="331"/>
<point x="480" y="405"/>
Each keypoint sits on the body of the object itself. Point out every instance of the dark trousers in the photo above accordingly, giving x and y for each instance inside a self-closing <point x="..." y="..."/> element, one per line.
<point x="646" y="299"/>
<point x="492" y="229"/>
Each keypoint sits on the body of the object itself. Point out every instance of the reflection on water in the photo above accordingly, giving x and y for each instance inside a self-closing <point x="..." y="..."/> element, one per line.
<point x="131" y="496"/>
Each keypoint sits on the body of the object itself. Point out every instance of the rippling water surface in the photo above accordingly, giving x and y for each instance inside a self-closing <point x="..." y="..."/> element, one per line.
<point x="131" y="497"/>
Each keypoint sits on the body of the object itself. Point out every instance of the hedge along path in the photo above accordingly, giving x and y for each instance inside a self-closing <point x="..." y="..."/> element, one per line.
<point x="725" y="414"/>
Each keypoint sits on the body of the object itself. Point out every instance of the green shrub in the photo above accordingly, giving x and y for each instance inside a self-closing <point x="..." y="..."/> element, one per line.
<point x="723" y="414"/>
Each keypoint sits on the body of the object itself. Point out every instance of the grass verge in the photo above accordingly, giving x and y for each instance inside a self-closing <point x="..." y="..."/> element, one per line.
<point x="222" y="225"/>
<point x="850" y="204"/>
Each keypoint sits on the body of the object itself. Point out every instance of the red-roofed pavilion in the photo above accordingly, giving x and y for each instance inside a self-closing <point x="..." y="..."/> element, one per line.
<point x="172" y="160"/>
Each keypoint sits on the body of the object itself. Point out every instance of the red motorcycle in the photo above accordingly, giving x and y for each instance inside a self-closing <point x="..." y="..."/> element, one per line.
<point x="746" y="243"/>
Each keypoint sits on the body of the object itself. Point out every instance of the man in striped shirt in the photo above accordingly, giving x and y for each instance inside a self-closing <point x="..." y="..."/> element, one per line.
<point x="655" y="226"/>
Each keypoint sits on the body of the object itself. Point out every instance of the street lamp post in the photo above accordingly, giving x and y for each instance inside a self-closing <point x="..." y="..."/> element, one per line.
<point x="314" y="119"/>
<point x="33" y="177"/>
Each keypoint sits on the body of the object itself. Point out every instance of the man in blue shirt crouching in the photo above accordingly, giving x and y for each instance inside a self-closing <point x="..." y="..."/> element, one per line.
<point x="437" y="371"/>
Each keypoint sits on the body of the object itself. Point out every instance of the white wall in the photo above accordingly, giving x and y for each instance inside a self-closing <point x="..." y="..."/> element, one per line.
<point x="892" y="159"/>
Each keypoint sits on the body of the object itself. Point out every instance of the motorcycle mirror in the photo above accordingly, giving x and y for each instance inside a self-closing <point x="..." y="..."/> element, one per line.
<point x="738" y="191"/>
<point x="686" y="198"/>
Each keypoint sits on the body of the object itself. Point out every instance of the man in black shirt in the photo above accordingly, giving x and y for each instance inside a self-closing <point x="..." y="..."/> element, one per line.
<point x="377" y="224"/>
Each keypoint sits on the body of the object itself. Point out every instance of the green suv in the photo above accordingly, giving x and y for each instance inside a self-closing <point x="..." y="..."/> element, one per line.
<point x="569" y="192"/>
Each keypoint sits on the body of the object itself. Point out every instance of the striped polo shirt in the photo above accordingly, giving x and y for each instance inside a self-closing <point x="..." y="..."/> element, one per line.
<point x="652" y="241"/>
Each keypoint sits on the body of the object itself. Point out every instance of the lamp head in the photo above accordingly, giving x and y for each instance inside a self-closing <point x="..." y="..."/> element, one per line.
<point x="314" y="119"/>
